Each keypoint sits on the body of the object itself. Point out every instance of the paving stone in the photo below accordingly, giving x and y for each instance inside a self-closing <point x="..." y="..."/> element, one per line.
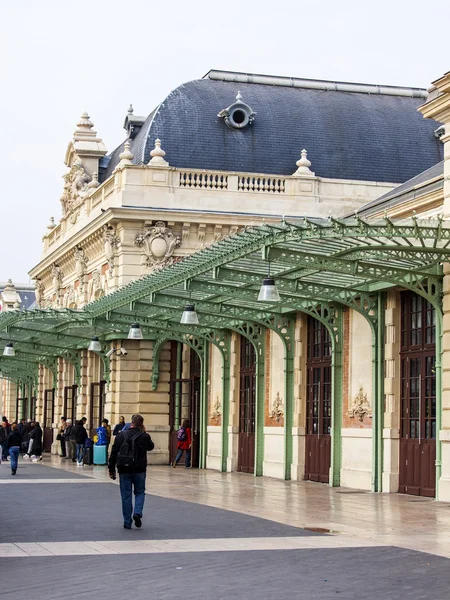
<point x="27" y="470"/>
<point x="351" y="574"/>
<point x="84" y="512"/>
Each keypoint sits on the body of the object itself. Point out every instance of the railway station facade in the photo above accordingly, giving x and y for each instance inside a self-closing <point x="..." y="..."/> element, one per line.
<point x="334" y="194"/>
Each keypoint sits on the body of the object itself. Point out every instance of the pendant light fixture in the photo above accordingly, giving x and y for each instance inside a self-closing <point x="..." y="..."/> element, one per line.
<point x="9" y="350"/>
<point x="135" y="332"/>
<point x="94" y="345"/>
<point x="189" y="316"/>
<point x="268" y="291"/>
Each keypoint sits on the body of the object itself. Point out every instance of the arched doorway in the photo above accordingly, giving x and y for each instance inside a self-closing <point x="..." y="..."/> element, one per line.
<point x="417" y="473"/>
<point x="184" y="401"/>
<point x="247" y="407"/>
<point x="318" y="403"/>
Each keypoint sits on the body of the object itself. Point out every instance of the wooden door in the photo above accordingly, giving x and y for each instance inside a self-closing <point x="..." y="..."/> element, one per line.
<point x="417" y="474"/>
<point x="70" y="402"/>
<point x="247" y="407"/>
<point x="318" y="403"/>
<point x="96" y="407"/>
<point x="49" y="414"/>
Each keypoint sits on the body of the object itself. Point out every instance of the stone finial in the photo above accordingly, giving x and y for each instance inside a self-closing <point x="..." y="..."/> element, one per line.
<point x="130" y="110"/>
<point x="94" y="183"/>
<point x="126" y="156"/>
<point x="303" y="165"/>
<point x="85" y="122"/>
<point x="158" y="155"/>
<point x="239" y="97"/>
<point x="51" y="224"/>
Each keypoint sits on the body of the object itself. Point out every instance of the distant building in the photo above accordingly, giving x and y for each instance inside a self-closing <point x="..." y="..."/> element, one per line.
<point x="17" y="295"/>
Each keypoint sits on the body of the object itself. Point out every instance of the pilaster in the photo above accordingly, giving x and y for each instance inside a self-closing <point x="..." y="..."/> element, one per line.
<point x="391" y="430"/>
<point x="443" y="484"/>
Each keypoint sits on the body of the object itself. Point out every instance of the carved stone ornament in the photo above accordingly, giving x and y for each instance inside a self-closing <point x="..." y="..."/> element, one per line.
<point x="361" y="406"/>
<point x="80" y="262"/>
<point x="158" y="243"/>
<point x="75" y="187"/>
<point x="57" y="277"/>
<point x="277" y="408"/>
<point x="39" y="292"/>
<point x="111" y="242"/>
<point x="96" y="289"/>
<point x="216" y="412"/>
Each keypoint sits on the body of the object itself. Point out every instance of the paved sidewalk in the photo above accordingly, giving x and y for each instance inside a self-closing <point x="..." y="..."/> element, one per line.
<point x="211" y="535"/>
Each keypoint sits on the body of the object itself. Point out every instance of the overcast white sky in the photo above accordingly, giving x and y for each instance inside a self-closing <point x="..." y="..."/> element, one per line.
<point x="58" y="58"/>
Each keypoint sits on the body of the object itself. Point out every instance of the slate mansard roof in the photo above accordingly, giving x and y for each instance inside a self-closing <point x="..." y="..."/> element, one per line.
<point x="351" y="131"/>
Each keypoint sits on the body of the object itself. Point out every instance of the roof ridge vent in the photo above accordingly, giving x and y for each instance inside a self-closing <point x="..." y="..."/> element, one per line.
<point x="316" y="84"/>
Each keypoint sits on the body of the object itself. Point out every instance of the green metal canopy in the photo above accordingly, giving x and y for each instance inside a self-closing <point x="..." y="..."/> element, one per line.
<point x="317" y="264"/>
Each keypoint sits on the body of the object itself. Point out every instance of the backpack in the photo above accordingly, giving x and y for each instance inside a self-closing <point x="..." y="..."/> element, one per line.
<point x="181" y="435"/>
<point x="128" y="456"/>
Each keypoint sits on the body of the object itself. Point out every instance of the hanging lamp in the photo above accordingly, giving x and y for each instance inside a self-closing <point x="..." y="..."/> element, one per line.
<point x="135" y="332"/>
<point x="94" y="345"/>
<point x="9" y="350"/>
<point x="268" y="291"/>
<point x="189" y="316"/>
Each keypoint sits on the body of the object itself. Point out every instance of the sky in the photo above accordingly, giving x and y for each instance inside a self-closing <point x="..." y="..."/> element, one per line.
<point x="59" y="58"/>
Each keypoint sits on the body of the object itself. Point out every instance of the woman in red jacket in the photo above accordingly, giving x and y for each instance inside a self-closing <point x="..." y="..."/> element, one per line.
<point x="184" y="444"/>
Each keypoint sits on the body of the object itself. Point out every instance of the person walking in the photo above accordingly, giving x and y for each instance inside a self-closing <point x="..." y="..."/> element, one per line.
<point x="184" y="444"/>
<point x="80" y="439"/>
<point x="67" y="432"/>
<point x="129" y="454"/>
<point x="13" y="444"/>
<point x="73" y="441"/>
<point x="3" y="438"/>
<point x="120" y="425"/>
<point x="36" y="447"/>
<point x="4" y="432"/>
<point x="61" y="438"/>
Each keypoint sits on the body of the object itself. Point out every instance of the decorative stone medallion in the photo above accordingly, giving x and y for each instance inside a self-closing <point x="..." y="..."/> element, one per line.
<point x="158" y="243"/>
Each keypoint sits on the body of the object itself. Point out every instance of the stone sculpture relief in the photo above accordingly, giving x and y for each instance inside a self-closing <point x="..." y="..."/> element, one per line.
<point x="75" y="186"/>
<point x="39" y="293"/>
<point x="361" y="406"/>
<point x="111" y="242"/>
<point x="80" y="265"/>
<point x="158" y="244"/>
<point x="277" y="408"/>
<point x="216" y="412"/>
<point x="97" y="287"/>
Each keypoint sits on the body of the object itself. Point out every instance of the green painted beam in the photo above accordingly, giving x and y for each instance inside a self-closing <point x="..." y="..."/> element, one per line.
<point x="319" y="262"/>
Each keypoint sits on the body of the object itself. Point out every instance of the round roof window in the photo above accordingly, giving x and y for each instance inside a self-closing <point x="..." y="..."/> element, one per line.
<point x="238" y="115"/>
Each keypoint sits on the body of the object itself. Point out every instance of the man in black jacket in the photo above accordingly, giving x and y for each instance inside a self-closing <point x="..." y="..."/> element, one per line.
<point x="129" y="453"/>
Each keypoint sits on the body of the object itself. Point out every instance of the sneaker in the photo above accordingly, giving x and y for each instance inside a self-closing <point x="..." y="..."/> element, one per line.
<point x="174" y="464"/>
<point x="34" y="459"/>
<point x="40" y="459"/>
<point x="13" y="472"/>
<point x="25" y="456"/>
<point x="126" y="526"/>
<point x="137" y="520"/>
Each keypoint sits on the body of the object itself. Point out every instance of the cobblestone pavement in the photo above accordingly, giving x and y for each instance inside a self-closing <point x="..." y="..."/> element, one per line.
<point x="208" y="535"/>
